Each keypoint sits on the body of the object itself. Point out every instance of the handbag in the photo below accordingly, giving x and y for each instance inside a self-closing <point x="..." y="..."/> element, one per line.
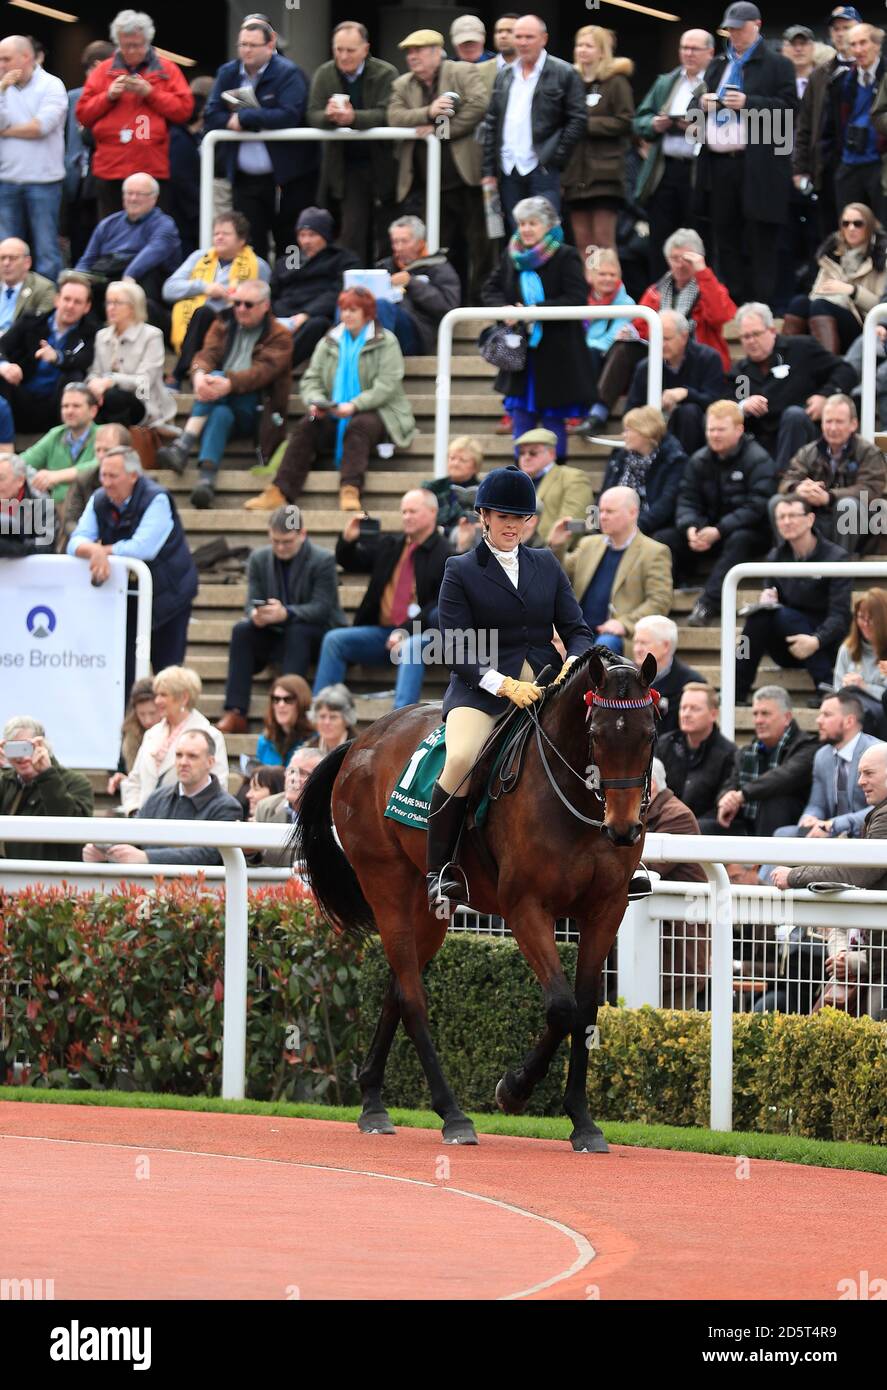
<point x="504" y="347"/>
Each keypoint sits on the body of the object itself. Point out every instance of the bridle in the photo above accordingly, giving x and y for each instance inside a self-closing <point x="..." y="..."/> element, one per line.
<point x="600" y="785"/>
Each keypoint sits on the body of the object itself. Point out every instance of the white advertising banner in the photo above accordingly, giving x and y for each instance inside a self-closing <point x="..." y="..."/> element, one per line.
<point x="63" y="654"/>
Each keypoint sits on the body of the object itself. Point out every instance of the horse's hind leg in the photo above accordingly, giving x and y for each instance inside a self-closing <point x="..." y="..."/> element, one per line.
<point x="374" y="1118"/>
<point x="408" y="952"/>
<point x="532" y="931"/>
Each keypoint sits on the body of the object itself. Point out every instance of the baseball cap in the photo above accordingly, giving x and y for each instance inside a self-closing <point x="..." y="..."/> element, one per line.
<point x="798" y="31"/>
<point x="740" y="14"/>
<point x="845" y="12"/>
<point x="466" y="28"/>
<point x="422" y="38"/>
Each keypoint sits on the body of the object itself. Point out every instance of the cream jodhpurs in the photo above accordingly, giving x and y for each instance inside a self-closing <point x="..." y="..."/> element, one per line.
<point x="467" y="731"/>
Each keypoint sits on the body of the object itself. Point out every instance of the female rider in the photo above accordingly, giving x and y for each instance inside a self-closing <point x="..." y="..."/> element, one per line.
<point x="514" y="598"/>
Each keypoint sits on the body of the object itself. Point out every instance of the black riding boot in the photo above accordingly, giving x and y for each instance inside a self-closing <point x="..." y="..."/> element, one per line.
<point x="446" y="883"/>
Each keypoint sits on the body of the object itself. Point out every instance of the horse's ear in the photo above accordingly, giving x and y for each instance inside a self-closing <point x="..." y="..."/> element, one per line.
<point x="596" y="672"/>
<point x="648" y="669"/>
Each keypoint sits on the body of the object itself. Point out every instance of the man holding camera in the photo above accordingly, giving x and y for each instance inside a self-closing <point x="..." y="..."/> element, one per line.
<point x="749" y="104"/>
<point x="32" y="783"/>
<point x="449" y="100"/>
<point x="399" y="609"/>
<point x="851" y="145"/>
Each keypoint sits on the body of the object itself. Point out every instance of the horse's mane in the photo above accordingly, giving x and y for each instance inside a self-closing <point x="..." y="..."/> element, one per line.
<point x="610" y="660"/>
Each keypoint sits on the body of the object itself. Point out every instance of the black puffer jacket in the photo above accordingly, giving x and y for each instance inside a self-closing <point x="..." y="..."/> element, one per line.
<point x="696" y="775"/>
<point x="433" y="290"/>
<point x="731" y="492"/>
<point x="314" y="286"/>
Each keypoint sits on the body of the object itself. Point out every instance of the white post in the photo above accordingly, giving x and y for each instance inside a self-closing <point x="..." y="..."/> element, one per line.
<point x="432" y="193"/>
<point x="761" y="569"/>
<point x="545" y="313"/>
<point x="234" y="1018"/>
<point x="144" y="607"/>
<point x="637" y="957"/>
<point x="721" y="1094"/>
<point x="875" y="315"/>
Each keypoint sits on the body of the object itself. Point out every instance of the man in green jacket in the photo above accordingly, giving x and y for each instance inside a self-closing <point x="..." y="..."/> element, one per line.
<point x="351" y="92"/>
<point x="67" y="449"/>
<point x="666" y="180"/>
<point x="32" y="783"/>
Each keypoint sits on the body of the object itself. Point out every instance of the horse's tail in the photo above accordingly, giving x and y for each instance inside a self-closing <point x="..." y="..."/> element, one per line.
<point x="326" y="869"/>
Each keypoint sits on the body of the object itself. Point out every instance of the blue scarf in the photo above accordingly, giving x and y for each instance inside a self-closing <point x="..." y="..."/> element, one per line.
<point x="524" y="259"/>
<point x="733" y="75"/>
<point x="346" y="384"/>
<point x="531" y="292"/>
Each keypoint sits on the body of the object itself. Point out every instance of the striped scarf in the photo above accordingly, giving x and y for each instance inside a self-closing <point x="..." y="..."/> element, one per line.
<point x="754" y="761"/>
<point x="526" y="261"/>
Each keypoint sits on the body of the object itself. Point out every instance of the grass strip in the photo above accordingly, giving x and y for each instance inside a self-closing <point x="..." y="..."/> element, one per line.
<point x="781" y="1148"/>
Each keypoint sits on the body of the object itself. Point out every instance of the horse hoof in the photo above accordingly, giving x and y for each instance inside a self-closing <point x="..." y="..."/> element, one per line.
<point x="589" y="1142"/>
<point x="507" y="1101"/>
<point x="459" y="1132"/>
<point x="377" y="1122"/>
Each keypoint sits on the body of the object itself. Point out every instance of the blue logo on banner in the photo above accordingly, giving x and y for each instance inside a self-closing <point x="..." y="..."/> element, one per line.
<point x="40" y="621"/>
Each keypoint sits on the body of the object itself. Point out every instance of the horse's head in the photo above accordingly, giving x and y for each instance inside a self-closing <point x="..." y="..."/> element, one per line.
<point x="621" y="711"/>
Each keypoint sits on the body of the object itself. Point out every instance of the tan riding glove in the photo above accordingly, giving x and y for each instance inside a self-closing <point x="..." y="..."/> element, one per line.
<point x="520" y="693"/>
<point x="564" y="671"/>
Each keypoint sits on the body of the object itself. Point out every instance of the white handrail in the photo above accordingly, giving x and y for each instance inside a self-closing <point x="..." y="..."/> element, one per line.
<point x="877" y="314"/>
<point x="299" y="133"/>
<point x="543" y="313"/>
<point x="762" y="569"/>
<point x="711" y="851"/>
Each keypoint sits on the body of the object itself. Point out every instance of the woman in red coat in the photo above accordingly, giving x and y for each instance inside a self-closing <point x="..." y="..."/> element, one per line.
<point x="688" y="286"/>
<point x="129" y="102"/>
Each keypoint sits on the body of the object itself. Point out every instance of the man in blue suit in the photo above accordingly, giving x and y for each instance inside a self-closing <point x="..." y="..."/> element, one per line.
<point x="836" y="805"/>
<point x="257" y="170"/>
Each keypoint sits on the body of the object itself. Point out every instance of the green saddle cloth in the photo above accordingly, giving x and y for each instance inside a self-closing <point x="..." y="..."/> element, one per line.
<point x="410" y="801"/>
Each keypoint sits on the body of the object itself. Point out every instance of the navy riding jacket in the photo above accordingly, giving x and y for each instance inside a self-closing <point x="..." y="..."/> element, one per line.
<point x="487" y="624"/>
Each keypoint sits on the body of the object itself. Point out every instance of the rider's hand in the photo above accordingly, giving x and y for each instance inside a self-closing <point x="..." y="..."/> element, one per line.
<point x="564" y="671"/>
<point x="520" y="693"/>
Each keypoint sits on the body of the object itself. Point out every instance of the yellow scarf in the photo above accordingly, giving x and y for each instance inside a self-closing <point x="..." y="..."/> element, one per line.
<point x="245" y="266"/>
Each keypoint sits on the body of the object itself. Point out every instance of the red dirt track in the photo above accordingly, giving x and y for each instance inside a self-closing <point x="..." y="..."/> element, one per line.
<point x="143" y="1204"/>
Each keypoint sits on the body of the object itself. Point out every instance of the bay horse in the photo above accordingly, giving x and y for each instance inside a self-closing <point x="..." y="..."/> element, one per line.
<point x="564" y="843"/>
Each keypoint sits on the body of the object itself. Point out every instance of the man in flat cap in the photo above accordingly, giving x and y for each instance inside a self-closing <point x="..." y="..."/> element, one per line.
<point x="807" y="160"/>
<point x="562" y="490"/>
<point x="449" y="99"/>
<point x="749" y="104"/>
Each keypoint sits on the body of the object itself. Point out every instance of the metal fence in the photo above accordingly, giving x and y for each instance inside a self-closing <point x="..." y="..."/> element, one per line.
<point x="213" y="138"/>
<point x="544" y="313"/>
<point x="636" y="975"/>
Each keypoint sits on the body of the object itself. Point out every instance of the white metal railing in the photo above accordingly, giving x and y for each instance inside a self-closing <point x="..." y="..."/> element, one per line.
<point x="711" y="852"/>
<point x="212" y="138"/>
<point x="16" y="874"/>
<point x="875" y="315"/>
<point x="762" y="569"/>
<point x="543" y="313"/>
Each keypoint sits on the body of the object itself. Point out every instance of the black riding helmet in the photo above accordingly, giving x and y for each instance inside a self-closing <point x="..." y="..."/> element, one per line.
<point x="507" y="490"/>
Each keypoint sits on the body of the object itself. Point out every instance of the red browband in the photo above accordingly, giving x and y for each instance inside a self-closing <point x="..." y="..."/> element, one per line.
<point x="592" y="698"/>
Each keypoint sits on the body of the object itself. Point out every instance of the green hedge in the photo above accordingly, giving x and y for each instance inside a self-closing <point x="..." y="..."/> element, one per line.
<point x="126" y="990"/>
<point x="821" y="1077"/>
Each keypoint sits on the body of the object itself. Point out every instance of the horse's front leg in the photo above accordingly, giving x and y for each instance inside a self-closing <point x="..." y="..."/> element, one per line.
<point x="594" y="943"/>
<point x="533" y="931"/>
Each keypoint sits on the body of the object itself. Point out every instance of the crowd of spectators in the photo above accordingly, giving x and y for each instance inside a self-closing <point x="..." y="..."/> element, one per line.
<point x="109" y="306"/>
